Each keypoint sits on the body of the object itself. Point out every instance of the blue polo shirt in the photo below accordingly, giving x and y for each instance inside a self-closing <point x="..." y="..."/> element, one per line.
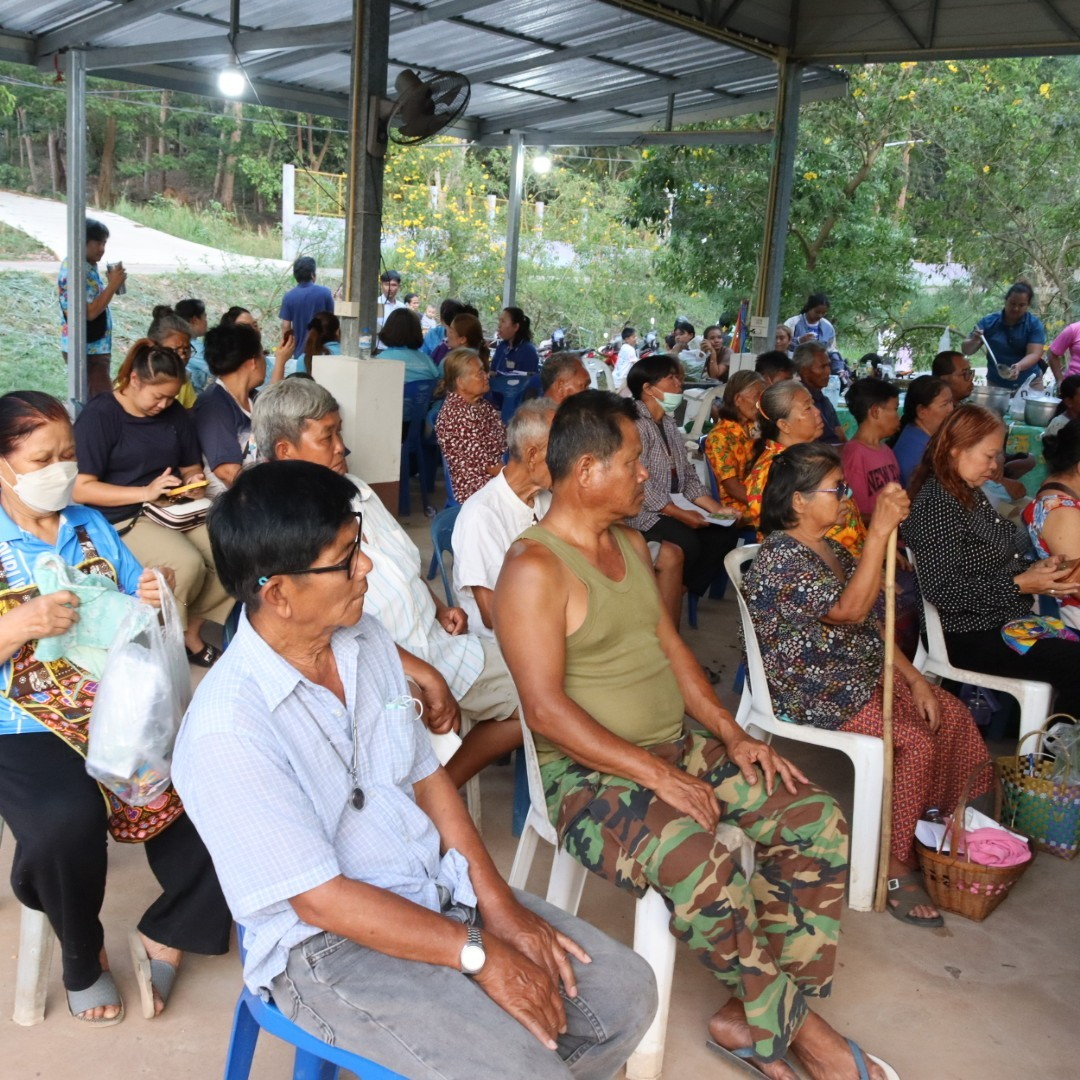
<point x="300" y="304"/>
<point x="1009" y="344"/>
<point x="18" y="553"/>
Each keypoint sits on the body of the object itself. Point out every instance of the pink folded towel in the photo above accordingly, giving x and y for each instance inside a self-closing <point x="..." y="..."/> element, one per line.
<point x="995" y="847"/>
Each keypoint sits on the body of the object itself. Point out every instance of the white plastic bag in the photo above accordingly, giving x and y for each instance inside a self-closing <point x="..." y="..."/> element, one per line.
<point x="141" y="699"/>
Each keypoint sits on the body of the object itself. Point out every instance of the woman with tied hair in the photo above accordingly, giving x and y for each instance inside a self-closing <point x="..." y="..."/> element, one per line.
<point x="193" y="312"/>
<point x="787" y="417"/>
<point x="729" y="447"/>
<point x="811" y="325"/>
<point x="134" y="446"/>
<point x="170" y="331"/>
<point x="60" y="817"/>
<point x="927" y="405"/>
<point x="813" y="610"/>
<point x="470" y="431"/>
<point x="971" y="568"/>
<point x="515" y="354"/>
<point x="466" y="332"/>
<point x="323" y="339"/>
<point x="1016" y="337"/>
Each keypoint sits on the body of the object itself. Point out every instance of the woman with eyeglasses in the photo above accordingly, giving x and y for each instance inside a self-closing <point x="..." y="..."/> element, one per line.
<point x="170" y="331"/>
<point x="812" y="604"/>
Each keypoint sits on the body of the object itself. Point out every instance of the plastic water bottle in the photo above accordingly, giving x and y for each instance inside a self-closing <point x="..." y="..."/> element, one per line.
<point x="365" y="344"/>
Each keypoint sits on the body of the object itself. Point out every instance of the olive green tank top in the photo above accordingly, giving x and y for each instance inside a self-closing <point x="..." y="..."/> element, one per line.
<point x="615" y="668"/>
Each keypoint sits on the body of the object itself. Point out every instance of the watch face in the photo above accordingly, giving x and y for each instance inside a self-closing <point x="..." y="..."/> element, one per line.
<point x="472" y="958"/>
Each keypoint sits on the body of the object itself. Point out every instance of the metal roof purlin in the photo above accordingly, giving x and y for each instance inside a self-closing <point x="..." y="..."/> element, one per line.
<point x="81" y="31"/>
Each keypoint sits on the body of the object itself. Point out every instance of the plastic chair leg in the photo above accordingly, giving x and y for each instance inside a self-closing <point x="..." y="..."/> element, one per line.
<point x="521" y="793"/>
<point x="653" y="942"/>
<point x="865" y="832"/>
<point x="691" y="610"/>
<point x="308" y="1066"/>
<point x="245" y="1034"/>
<point x="523" y="858"/>
<point x="32" y="973"/>
<point x="1035" y="705"/>
<point x="566" y="882"/>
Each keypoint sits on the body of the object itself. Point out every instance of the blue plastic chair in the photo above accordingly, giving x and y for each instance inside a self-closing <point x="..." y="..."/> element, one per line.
<point x="507" y="391"/>
<point x="414" y="413"/>
<point x="315" y="1059"/>
<point x="442" y="529"/>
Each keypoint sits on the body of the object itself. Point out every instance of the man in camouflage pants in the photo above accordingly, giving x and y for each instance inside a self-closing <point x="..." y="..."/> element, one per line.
<point x="635" y="792"/>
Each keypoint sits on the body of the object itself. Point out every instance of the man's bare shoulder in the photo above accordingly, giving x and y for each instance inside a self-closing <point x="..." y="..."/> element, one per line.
<point x="528" y="560"/>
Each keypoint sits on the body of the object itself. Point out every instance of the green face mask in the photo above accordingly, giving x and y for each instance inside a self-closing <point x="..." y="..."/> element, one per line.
<point x="671" y="402"/>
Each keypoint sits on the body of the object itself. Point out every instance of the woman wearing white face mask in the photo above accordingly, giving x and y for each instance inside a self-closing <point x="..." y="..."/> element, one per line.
<point x="656" y="386"/>
<point x="55" y="810"/>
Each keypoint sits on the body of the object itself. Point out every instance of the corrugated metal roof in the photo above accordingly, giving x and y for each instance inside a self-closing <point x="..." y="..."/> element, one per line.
<point x="555" y="66"/>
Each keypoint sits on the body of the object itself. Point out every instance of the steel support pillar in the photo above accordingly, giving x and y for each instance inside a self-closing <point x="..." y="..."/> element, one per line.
<point x="363" y="235"/>
<point x="513" y="217"/>
<point x="774" y="242"/>
<point x="75" y="82"/>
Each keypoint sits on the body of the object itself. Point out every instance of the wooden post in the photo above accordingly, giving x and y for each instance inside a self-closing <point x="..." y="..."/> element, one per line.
<point x="882" y="891"/>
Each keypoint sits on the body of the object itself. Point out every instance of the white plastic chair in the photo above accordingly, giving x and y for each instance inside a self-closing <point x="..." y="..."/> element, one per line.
<point x="652" y="936"/>
<point x="1035" y="698"/>
<point x="36" y="941"/>
<point x="600" y="375"/>
<point x="865" y="751"/>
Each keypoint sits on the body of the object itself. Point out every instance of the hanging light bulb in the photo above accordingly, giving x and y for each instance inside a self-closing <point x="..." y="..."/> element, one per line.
<point x="231" y="80"/>
<point x="541" y="164"/>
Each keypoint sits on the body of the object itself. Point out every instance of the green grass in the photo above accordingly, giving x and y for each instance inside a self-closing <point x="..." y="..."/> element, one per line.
<point x="211" y="225"/>
<point x="15" y="244"/>
<point x="31" y="359"/>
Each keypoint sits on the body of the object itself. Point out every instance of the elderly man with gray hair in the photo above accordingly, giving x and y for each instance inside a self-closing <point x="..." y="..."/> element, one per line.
<point x="563" y="375"/>
<point x="298" y="419"/>
<point x="812" y="369"/>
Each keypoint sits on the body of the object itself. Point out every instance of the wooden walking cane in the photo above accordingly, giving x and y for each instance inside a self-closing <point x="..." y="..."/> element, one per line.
<point x="881" y="893"/>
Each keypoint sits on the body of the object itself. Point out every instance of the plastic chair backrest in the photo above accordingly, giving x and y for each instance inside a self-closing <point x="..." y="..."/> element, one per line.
<point x="416" y="403"/>
<point x="600" y="375"/>
<point x="734" y="562"/>
<point x="536" y="783"/>
<point x="442" y="530"/>
<point x="935" y="635"/>
<point x="451" y="500"/>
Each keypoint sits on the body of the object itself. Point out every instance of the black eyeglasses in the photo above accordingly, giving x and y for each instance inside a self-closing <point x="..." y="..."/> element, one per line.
<point x="348" y="564"/>
<point x="841" y="491"/>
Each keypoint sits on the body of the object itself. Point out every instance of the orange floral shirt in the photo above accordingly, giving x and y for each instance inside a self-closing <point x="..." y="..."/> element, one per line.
<point x="850" y="531"/>
<point x="729" y="450"/>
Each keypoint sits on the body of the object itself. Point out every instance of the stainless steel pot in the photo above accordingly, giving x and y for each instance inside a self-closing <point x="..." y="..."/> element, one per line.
<point x="1038" y="412"/>
<point x="994" y="398"/>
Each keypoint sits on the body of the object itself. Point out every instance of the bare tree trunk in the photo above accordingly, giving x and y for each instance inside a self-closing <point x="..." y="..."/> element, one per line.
<point x="148" y="154"/>
<point x="163" y="142"/>
<point x="104" y="194"/>
<point x="54" y="162"/>
<point x="27" y="141"/>
<point x="228" y="182"/>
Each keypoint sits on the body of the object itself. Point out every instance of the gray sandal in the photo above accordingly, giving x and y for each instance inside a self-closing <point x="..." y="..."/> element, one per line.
<point x="100" y="994"/>
<point x="151" y="975"/>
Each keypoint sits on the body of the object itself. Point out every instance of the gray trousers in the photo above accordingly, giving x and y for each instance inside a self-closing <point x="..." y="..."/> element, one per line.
<point x="429" y="1022"/>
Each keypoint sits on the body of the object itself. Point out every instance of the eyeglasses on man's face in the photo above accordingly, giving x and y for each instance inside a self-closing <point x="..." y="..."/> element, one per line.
<point x="348" y="564"/>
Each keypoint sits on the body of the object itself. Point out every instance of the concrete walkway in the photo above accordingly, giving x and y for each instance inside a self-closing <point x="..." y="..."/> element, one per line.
<point x="141" y="249"/>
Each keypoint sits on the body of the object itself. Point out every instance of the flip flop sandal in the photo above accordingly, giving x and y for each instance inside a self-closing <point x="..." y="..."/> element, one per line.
<point x="151" y="975"/>
<point x="742" y="1058"/>
<point x="861" y="1058"/>
<point x="909" y="899"/>
<point x="101" y="993"/>
<point x="206" y="657"/>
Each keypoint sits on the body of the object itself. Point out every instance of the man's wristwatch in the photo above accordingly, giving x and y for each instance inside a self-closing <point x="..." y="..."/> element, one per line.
<point x="472" y="953"/>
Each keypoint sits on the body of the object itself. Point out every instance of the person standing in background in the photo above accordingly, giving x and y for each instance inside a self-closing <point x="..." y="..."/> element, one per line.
<point x="302" y="303"/>
<point x="99" y="294"/>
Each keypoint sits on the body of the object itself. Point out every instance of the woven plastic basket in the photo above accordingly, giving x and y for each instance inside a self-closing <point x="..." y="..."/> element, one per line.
<point x="954" y="882"/>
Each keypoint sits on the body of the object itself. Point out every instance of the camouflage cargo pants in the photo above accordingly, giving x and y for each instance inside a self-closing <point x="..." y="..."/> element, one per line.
<point x="770" y="939"/>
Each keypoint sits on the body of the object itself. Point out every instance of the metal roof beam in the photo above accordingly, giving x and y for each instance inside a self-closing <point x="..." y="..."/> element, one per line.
<point x="621" y="98"/>
<point x="433" y="13"/>
<point x="560" y="55"/>
<point x="745" y="137"/>
<point x="1051" y="9"/>
<point x="898" y="17"/>
<point x="17" y="50"/>
<point x="81" y="31"/>
<point x="273" y="61"/>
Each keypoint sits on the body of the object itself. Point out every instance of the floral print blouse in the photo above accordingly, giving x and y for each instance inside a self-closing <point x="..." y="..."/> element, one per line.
<point x="729" y="450"/>
<point x="818" y="673"/>
<point x="851" y="532"/>
<point x="472" y="438"/>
